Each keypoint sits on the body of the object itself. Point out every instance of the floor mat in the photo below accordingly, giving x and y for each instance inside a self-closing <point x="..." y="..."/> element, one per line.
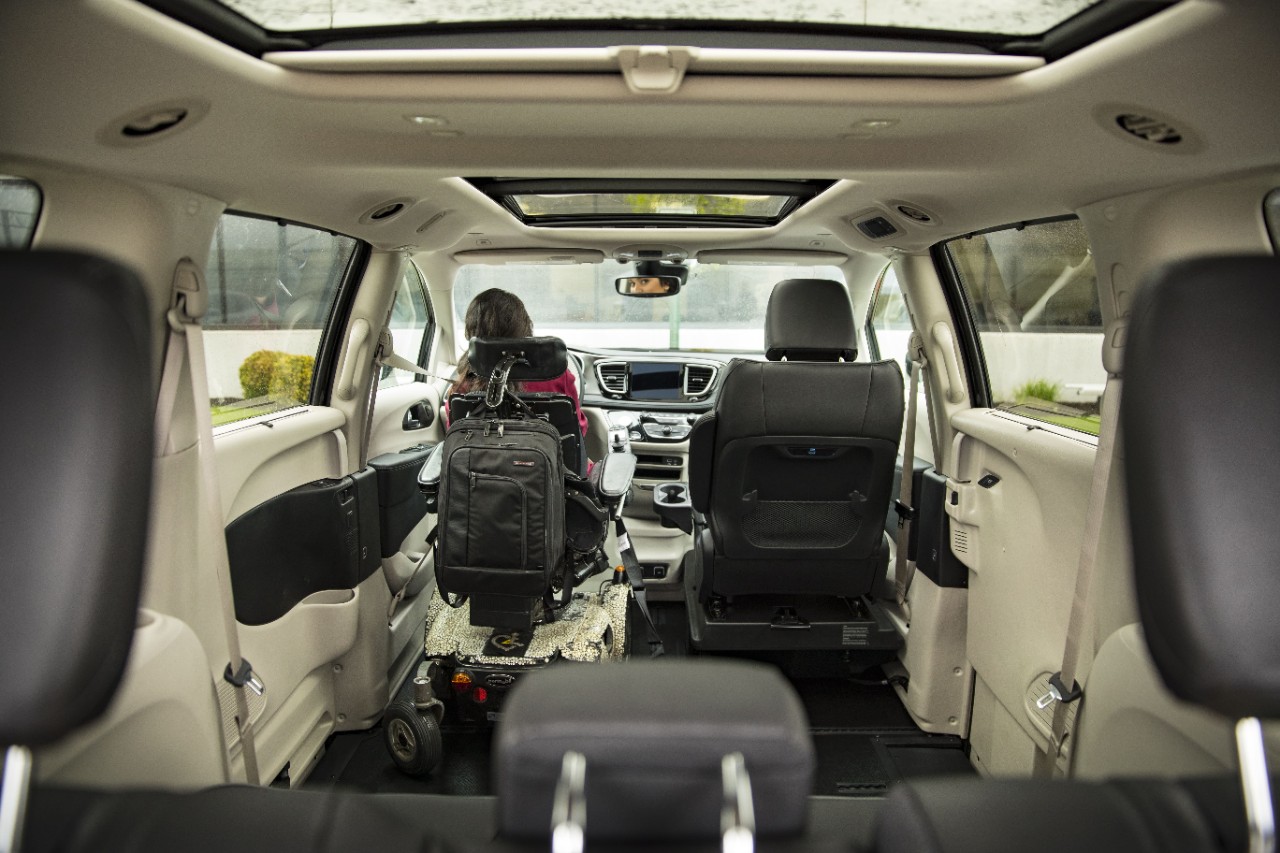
<point x="359" y="761"/>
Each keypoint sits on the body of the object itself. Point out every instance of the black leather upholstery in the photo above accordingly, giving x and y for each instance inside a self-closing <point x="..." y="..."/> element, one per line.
<point x="793" y="470"/>
<point x="1199" y="421"/>
<point x="653" y="734"/>
<point x="992" y="816"/>
<point x="241" y="818"/>
<point x="802" y="471"/>
<point x="541" y="359"/>
<point x="809" y="319"/>
<point x="75" y="449"/>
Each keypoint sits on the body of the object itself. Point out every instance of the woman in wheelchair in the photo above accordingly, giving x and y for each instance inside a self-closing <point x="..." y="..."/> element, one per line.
<point x="496" y="313"/>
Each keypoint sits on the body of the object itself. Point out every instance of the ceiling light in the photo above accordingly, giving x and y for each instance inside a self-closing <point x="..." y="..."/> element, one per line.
<point x="427" y="121"/>
<point x="876" y="123"/>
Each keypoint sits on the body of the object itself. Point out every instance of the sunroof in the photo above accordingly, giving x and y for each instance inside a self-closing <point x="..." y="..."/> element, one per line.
<point x="1002" y="17"/>
<point x="649" y="203"/>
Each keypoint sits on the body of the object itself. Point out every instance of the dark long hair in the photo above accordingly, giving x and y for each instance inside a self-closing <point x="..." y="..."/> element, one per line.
<point x="493" y="313"/>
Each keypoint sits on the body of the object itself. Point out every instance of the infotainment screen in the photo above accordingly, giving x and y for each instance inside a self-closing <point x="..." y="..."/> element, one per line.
<point x="655" y="381"/>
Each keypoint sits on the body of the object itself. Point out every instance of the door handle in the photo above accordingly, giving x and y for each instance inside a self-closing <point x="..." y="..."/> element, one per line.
<point x="419" y="416"/>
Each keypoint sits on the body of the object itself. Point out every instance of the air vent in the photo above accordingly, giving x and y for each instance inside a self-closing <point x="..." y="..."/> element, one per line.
<point x="915" y="214"/>
<point x="698" y="379"/>
<point x="153" y="123"/>
<point x="877" y="228"/>
<point x="612" y="376"/>
<point x="388" y="210"/>
<point x="1149" y="129"/>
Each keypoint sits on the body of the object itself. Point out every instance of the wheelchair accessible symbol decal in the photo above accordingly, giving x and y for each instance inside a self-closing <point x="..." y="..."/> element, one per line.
<point x="509" y="642"/>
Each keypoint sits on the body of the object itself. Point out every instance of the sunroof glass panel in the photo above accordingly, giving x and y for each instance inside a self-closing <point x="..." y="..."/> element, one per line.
<point x="650" y="204"/>
<point x="1004" y="17"/>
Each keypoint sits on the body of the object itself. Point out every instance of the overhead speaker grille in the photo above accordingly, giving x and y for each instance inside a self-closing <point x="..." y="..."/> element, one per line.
<point x="877" y="227"/>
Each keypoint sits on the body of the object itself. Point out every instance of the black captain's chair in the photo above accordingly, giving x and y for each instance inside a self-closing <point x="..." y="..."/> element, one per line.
<point x="791" y="476"/>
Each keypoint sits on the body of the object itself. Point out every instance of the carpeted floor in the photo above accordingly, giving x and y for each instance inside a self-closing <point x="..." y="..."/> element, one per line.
<point x="864" y="739"/>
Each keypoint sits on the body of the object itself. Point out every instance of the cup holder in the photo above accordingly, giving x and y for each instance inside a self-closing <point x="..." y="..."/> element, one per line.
<point x="672" y="504"/>
<point x="672" y="493"/>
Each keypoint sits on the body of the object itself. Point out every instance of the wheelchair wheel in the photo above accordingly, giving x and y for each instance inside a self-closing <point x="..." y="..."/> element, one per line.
<point x="412" y="738"/>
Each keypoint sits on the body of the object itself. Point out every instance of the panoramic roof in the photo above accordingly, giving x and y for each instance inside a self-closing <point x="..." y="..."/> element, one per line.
<point x="649" y="203"/>
<point x="1006" y="17"/>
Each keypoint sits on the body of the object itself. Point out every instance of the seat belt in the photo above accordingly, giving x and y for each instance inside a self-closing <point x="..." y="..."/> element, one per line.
<point x="903" y="573"/>
<point x="635" y="577"/>
<point x="186" y="344"/>
<point x="1063" y="688"/>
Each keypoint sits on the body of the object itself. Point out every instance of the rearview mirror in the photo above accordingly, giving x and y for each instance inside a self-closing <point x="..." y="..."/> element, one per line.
<point x="648" y="285"/>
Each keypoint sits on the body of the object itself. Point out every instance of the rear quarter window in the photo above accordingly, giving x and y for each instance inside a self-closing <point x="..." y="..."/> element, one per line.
<point x="1033" y="294"/>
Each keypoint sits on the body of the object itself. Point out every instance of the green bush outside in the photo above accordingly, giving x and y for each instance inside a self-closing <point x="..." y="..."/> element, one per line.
<point x="1038" y="389"/>
<point x="268" y="373"/>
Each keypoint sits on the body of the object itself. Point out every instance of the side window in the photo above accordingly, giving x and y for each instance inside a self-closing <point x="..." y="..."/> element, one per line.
<point x="1033" y="293"/>
<point x="412" y="326"/>
<point x="19" y="211"/>
<point x="272" y="286"/>
<point x="888" y="323"/>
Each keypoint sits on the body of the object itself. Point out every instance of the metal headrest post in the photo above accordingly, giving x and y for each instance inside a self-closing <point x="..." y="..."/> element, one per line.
<point x="737" y="815"/>
<point x="1251" y="749"/>
<point x="569" y="808"/>
<point x="498" y="379"/>
<point x="13" y="797"/>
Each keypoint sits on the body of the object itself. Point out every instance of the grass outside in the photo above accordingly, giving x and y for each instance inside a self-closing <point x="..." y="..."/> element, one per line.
<point x="1092" y="424"/>
<point x="239" y="410"/>
<point x="1056" y="414"/>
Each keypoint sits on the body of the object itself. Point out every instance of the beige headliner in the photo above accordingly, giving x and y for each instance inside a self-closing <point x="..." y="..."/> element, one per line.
<point x="327" y="148"/>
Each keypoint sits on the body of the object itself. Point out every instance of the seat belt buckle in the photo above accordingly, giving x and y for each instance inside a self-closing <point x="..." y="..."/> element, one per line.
<point x="905" y="513"/>
<point x="245" y="677"/>
<point x="1058" y="692"/>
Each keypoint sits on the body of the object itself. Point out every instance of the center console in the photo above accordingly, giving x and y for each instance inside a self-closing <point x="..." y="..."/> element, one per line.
<point x="660" y="443"/>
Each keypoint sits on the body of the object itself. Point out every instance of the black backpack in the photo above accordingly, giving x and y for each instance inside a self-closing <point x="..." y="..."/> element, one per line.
<point x="501" y="518"/>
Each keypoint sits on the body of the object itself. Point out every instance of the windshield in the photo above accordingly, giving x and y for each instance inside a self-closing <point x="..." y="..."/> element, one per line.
<point x="720" y="308"/>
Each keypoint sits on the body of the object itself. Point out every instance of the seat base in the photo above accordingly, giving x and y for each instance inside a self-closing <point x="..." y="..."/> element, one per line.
<point x="773" y="623"/>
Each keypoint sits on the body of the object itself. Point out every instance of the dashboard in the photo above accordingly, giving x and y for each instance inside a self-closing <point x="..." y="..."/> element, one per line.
<point x="645" y="381"/>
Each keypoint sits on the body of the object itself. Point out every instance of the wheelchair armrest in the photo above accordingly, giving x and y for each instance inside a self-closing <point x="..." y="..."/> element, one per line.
<point x="612" y="476"/>
<point x="429" y="477"/>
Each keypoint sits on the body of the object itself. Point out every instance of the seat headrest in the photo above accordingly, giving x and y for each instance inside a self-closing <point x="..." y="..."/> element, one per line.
<point x="649" y="753"/>
<point x="1199" y="421"/>
<point x="810" y="319"/>
<point x="541" y="359"/>
<point x="75" y="449"/>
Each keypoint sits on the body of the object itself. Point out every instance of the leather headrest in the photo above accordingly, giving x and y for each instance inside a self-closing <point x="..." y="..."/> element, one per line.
<point x="75" y="449"/>
<point x="540" y="358"/>
<point x="1199" y="420"/>
<point x="647" y="755"/>
<point x="810" y="319"/>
